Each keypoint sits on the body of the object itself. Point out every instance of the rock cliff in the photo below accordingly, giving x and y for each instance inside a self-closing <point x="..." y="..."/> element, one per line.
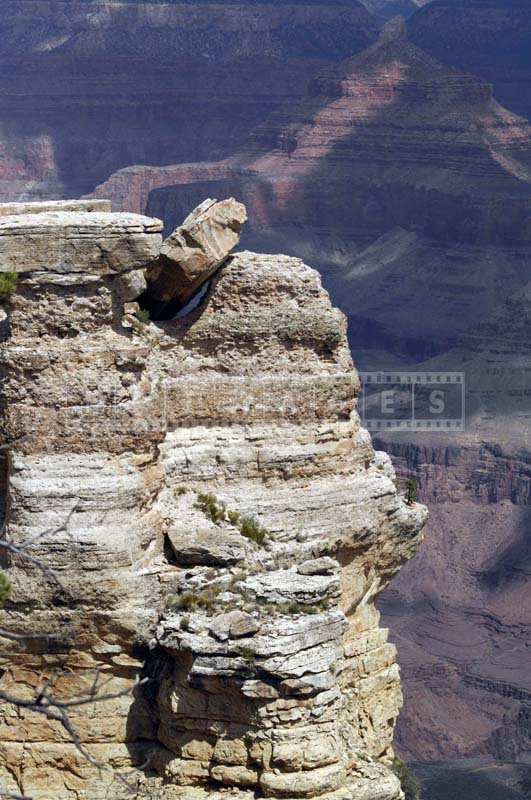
<point x="408" y="185"/>
<point x="216" y="520"/>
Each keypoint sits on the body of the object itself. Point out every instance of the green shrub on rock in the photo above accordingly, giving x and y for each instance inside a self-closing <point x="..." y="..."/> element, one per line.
<point x="252" y="530"/>
<point x="5" y="588"/>
<point x="411" y="491"/>
<point x="209" y="505"/>
<point x="142" y="316"/>
<point x="8" y="284"/>
<point x="409" y="783"/>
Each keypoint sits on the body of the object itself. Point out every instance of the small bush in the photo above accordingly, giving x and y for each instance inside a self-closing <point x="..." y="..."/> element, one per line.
<point x="8" y="285"/>
<point x="5" y="588"/>
<point x="293" y="608"/>
<point x="208" y="597"/>
<point x="411" y="491"/>
<point x="233" y="517"/>
<point x="187" y="601"/>
<point x="238" y="577"/>
<point x="180" y="491"/>
<point x="252" y="530"/>
<point x="208" y="504"/>
<point x="409" y="783"/>
<point x="247" y="655"/>
<point x="184" y="623"/>
<point x="217" y="512"/>
<point x="142" y="316"/>
<point x="171" y="602"/>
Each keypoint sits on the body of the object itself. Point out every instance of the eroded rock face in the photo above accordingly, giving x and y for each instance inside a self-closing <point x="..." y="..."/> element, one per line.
<point x="228" y="528"/>
<point x="490" y="39"/>
<point x="390" y="137"/>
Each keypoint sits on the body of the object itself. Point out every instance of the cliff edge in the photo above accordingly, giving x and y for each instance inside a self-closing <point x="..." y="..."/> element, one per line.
<point x="215" y="518"/>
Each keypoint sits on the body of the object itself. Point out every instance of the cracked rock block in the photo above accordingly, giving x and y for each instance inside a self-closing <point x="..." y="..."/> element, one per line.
<point x="219" y="521"/>
<point x="195" y="250"/>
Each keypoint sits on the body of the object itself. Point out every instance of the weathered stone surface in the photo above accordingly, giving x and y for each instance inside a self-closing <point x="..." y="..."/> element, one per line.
<point x="303" y="784"/>
<point x="228" y="519"/>
<point x="77" y="241"/>
<point x="234" y="624"/>
<point x="318" y="566"/>
<point x="287" y="585"/>
<point x="48" y="206"/>
<point x="193" y="252"/>
<point x="208" y="547"/>
<point x="133" y="284"/>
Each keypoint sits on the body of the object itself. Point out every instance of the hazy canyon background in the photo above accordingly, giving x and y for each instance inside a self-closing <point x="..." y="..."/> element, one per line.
<point x="396" y="158"/>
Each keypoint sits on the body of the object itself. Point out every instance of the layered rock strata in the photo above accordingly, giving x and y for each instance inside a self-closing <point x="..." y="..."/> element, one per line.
<point x="460" y="612"/>
<point x="489" y="38"/>
<point x="89" y="88"/>
<point x="390" y="137"/>
<point x="216" y="519"/>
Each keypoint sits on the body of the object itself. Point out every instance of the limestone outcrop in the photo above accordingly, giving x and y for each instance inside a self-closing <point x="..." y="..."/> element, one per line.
<point x="217" y="520"/>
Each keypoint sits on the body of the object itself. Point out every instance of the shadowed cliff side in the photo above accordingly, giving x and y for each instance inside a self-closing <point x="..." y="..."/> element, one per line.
<point x="89" y="88"/>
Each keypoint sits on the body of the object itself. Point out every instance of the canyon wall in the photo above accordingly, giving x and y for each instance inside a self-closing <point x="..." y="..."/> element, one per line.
<point x="216" y="520"/>
<point x="88" y="88"/>
<point x="489" y="38"/>
<point x="388" y="138"/>
<point x="460" y="612"/>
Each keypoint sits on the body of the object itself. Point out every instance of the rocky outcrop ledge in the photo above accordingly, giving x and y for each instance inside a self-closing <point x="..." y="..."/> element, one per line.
<point x="216" y="519"/>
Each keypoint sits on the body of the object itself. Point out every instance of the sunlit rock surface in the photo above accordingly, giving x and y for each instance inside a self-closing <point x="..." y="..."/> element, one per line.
<point x="219" y="523"/>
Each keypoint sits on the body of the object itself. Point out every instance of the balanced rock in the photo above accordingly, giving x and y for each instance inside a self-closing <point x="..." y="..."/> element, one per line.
<point x="195" y="250"/>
